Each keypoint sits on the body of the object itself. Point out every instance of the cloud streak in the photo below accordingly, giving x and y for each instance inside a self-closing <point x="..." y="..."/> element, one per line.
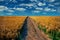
<point x="35" y="6"/>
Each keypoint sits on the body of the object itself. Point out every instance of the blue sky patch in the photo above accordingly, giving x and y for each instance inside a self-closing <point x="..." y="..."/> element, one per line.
<point x="29" y="7"/>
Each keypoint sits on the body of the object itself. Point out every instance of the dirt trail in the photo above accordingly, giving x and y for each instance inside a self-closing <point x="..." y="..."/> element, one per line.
<point x="30" y="31"/>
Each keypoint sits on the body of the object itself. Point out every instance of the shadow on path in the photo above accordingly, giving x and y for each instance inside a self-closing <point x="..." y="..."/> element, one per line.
<point x="23" y="31"/>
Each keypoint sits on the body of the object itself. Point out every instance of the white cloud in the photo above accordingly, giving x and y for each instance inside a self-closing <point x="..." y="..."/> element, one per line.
<point x="2" y="8"/>
<point x="27" y="4"/>
<point x="20" y="9"/>
<point x="53" y="10"/>
<point x="1" y="0"/>
<point x="41" y="4"/>
<point x="35" y="6"/>
<point x="51" y="0"/>
<point x="44" y="13"/>
<point x="47" y="9"/>
<point x="33" y="0"/>
<point x="57" y="3"/>
<point x="36" y="11"/>
<point x="39" y="8"/>
<point x="14" y="1"/>
<point x="13" y="8"/>
<point x="50" y="5"/>
<point x="9" y="10"/>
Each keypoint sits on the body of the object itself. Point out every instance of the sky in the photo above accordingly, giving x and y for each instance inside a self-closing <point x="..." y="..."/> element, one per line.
<point x="29" y="7"/>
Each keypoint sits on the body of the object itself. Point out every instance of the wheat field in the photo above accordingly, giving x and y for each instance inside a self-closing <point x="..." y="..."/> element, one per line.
<point x="50" y="22"/>
<point x="9" y="25"/>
